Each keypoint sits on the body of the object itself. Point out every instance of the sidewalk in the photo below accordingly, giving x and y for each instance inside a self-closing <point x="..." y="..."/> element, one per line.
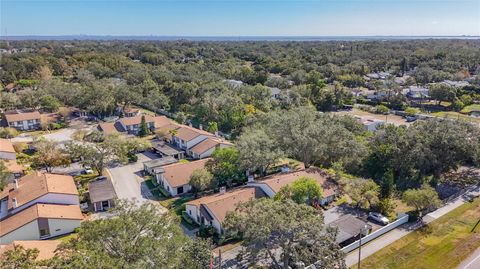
<point x="390" y="237"/>
<point x="472" y="262"/>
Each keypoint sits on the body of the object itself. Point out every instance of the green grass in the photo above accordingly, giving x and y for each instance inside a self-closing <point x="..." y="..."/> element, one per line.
<point x="443" y="244"/>
<point x="470" y="108"/>
<point x="456" y="116"/>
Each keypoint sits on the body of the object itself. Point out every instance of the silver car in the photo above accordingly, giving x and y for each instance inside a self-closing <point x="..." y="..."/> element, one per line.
<point x="378" y="218"/>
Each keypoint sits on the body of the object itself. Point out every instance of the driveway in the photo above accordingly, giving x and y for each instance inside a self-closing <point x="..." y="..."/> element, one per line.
<point x="128" y="182"/>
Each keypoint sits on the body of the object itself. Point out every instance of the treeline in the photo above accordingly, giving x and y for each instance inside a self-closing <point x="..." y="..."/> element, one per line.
<point x="188" y="77"/>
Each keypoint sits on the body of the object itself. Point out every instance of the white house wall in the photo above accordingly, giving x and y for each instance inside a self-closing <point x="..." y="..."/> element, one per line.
<point x="26" y="232"/>
<point x="51" y="198"/>
<point x="62" y="226"/>
<point x="7" y="155"/>
<point x="190" y="144"/>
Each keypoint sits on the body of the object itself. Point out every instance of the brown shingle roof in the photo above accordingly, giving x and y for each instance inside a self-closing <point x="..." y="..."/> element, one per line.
<point x="220" y="204"/>
<point x="108" y="128"/>
<point x="158" y="121"/>
<point x="35" y="185"/>
<point x="48" y="211"/>
<point x="12" y="116"/>
<point x="46" y="247"/>
<point x="277" y="181"/>
<point x="207" y="144"/>
<point x="13" y="166"/>
<point x="101" y="190"/>
<point x="187" y="133"/>
<point x="6" y="146"/>
<point x="178" y="174"/>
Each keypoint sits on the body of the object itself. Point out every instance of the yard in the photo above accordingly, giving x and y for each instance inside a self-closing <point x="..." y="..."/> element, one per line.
<point x="444" y="243"/>
<point x="455" y="116"/>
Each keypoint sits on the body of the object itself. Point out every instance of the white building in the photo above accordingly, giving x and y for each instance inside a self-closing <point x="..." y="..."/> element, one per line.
<point x="23" y="121"/>
<point x="205" y="148"/>
<point x="7" y="152"/>
<point x="175" y="178"/>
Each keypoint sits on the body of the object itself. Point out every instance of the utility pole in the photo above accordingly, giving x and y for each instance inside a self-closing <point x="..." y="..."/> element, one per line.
<point x="360" y="245"/>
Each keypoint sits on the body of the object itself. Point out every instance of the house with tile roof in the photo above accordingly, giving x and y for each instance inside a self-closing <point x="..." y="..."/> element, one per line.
<point x="40" y="221"/>
<point x="39" y="206"/>
<point x="211" y="210"/>
<point x="7" y="152"/>
<point x="46" y="248"/>
<point x="175" y="178"/>
<point x="205" y="148"/>
<point x="186" y="137"/>
<point x="273" y="183"/>
<point x="23" y="120"/>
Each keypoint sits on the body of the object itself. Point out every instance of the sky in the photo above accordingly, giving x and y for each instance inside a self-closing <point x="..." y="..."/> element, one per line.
<point x="241" y="18"/>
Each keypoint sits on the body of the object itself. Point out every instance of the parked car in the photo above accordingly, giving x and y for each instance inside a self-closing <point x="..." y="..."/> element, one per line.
<point x="87" y="170"/>
<point x="411" y="118"/>
<point x="378" y="218"/>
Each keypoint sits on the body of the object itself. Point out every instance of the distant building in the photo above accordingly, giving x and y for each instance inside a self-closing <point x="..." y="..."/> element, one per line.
<point x="132" y="124"/>
<point x="7" y="152"/>
<point x="205" y="148"/>
<point x="370" y="124"/>
<point x="131" y="112"/>
<point x="23" y="120"/>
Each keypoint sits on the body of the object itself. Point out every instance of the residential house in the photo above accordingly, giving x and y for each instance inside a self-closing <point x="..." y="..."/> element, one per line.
<point x="7" y="152"/>
<point x="40" y="221"/>
<point x="270" y="185"/>
<point x="46" y="248"/>
<point x="212" y="210"/>
<point x="38" y="206"/>
<point x="167" y="150"/>
<point x="186" y="137"/>
<point x="17" y="170"/>
<point x="370" y="124"/>
<point x="23" y="120"/>
<point x="131" y="112"/>
<point x="175" y="178"/>
<point x="132" y="124"/>
<point x="416" y="93"/>
<point x="37" y="188"/>
<point x="150" y="166"/>
<point x="102" y="194"/>
<point x="205" y="148"/>
<point x="109" y="128"/>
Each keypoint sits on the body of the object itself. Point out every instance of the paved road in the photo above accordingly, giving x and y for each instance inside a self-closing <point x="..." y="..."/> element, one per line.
<point x="392" y="236"/>
<point x="472" y="262"/>
<point x="129" y="184"/>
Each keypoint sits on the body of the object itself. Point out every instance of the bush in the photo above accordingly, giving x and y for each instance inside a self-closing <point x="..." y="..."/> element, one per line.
<point x="411" y="111"/>
<point x="8" y="132"/>
<point x="381" y="109"/>
<point x="187" y="218"/>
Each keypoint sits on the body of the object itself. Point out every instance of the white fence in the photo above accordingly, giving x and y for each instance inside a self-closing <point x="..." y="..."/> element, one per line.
<point x="402" y="218"/>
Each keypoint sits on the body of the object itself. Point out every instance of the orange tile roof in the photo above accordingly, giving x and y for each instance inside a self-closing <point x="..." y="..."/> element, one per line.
<point x="46" y="247"/>
<point x="47" y="211"/>
<point x="220" y="204"/>
<point x="6" y="146"/>
<point x="35" y="185"/>
<point x="207" y="144"/>
<point x="277" y="181"/>
<point x="108" y="127"/>
<point x="13" y="166"/>
<point x="187" y="133"/>
<point x="178" y="174"/>
<point x="167" y="128"/>
<point x="12" y="116"/>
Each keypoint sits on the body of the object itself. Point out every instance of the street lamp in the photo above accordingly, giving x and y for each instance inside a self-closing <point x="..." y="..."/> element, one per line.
<point x="365" y="228"/>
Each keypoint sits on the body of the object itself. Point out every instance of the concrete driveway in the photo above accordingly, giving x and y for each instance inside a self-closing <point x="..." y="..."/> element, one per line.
<point x="128" y="182"/>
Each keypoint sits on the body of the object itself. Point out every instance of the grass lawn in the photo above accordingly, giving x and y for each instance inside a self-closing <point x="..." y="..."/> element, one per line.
<point x="455" y="115"/>
<point x="470" y="108"/>
<point x="443" y="244"/>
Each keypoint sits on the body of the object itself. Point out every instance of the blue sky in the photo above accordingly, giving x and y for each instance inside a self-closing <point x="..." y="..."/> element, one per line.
<point x="240" y="18"/>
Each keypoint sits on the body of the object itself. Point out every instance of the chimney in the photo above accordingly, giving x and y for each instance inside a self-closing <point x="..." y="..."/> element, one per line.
<point x="285" y="169"/>
<point x="250" y="178"/>
<point x="216" y="134"/>
<point x="200" y="127"/>
<point x="16" y="184"/>
<point x="223" y="190"/>
<point x="190" y="124"/>
<point x="14" y="202"/>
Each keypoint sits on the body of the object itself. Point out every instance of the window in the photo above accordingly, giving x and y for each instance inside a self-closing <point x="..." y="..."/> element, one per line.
<point x="44" y="232"/>
<point x="180" y="190"/>
<point x="105" y="204"/>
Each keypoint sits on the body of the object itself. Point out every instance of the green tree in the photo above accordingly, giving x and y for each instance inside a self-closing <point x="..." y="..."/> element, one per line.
<point x="19" y="258"/>
<point x="139" y="236"/>
<point x="200" y="180"/>
<point x="302" y="190"/>
<point x="381" y="109"/>
<point x="424" y="198"/>
<point x="212" y="127"/>
<point x="387" y="185"/>
<point x="442" y="92"/>
<point x="225" y="166"/>
<point x="363" y="192"/>
<point x="281" y="234"/>
<point x="7" y="132"/>
<point x="257" y="151"/>
<point x="411" y="111"/>
<point x="49" y="155"/>
<point x="4" y="175"/>
<point x="143" y="129"/>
